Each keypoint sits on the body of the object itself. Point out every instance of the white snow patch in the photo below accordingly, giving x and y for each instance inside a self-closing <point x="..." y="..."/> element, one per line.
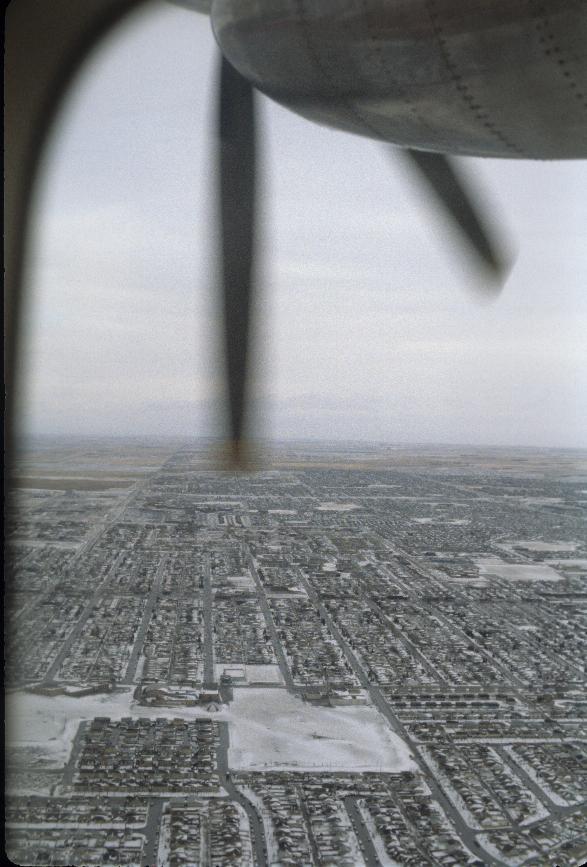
<point x="164" y="850"/>
<point x="49" y="723"/>
<point x="494" y="567"/>
<point x="263" y="674"/>
<point x="470" y="582"/>
<point x="337" y="507"/>
<point x="269" y="728"/>
<point x="274" y="729"/>
<point x="245" y="582"/>
<point x="253" y="674"/>
<point x="538" y="545"/>
<point x="41" y="731"/>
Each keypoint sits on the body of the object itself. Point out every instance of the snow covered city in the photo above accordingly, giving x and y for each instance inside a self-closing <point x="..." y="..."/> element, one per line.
<point x="353" y="656"/>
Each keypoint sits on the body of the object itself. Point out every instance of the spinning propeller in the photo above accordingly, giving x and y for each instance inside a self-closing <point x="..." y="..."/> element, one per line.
<point x="46" y="45"/>
<point x="237" y="170"/>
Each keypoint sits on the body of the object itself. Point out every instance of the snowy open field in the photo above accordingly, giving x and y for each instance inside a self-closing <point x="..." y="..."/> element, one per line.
<point x="575" y="564"/>
<point x="493" y="567"/>
<point x="254" y="674"/>
<point x="242" y="582"/>
<point x="538" y="545"/>
<point x="273" y="728"/>
<point x="50" y="722"/>
<point x="268" y="728"/>
<point x="263" y="674"/>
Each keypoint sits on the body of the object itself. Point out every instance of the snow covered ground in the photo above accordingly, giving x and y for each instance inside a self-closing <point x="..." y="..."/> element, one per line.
<point x="263" y="674"/>
<point x="242" y="582"/>
<point x="577" y="563"/>
<point x="254" y="674"/>
<point x="538" y="545"/>
<point x="269" y="728"/>
<point x="50" y="722"/>
<point x="274" y="729"/>
<point x="494" y="567"/>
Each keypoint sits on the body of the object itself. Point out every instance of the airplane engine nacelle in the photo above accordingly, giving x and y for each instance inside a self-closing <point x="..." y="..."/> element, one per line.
<point x="506" y="78"/>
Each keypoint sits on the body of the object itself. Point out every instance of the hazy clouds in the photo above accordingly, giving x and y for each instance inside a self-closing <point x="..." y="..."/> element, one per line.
<point x="367" y="328"/>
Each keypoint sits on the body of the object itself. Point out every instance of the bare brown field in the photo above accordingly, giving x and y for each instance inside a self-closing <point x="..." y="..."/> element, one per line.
<point x="119" y="459"/>
<point x="72" y="483"/>
<point x="559" y="464"/>
<point x="102" y="465"/>
<point x="328" y="465"/>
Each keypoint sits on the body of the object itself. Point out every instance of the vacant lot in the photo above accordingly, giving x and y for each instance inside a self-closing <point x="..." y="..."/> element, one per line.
<point x="71" y="483"/>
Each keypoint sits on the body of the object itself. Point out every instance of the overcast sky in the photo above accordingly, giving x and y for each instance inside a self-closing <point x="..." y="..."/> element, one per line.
<point x="368" y="330"/>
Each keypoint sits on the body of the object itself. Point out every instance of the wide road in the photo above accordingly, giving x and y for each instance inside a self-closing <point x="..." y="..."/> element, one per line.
<point x="453" y="627"/>
<point x="466" y="833"/>
<point x="152" y="830"/>
<point x="115" y="515"/>
<point x="142" y="630"/>
<point x="271" y="628"/>
<point x="112" y="517"/>
<point x="80" y="625"/>
<point x="533" y="786"/>
<point x="255" y="821"/>
<point x="75" y="633"/>
<point x="406" y="641"/>
<point x="208" y="649"/>
<point x="73" y="754"/>
<point x="365" y="841"/>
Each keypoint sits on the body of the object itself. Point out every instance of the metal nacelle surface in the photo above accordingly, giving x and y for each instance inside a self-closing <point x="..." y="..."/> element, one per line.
<point x="496" y="78"/>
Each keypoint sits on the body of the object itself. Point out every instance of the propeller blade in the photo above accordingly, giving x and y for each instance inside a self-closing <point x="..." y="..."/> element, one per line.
<point x="237" y="155"/>
<point x="440" y="175"/>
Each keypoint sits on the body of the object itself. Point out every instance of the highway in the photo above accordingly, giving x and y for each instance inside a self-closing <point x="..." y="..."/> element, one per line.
<point x="208" y="648"/>
<point x="152" y="831"/>
<point x="255" y="822"/>
<point x="363" y="836"/>
<point x="467" y="834"/>
<point x="277" y="646"/>
<point x="115" y="515"/>
<point x="73" y="755"/>
<point x="139" y="641"/>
